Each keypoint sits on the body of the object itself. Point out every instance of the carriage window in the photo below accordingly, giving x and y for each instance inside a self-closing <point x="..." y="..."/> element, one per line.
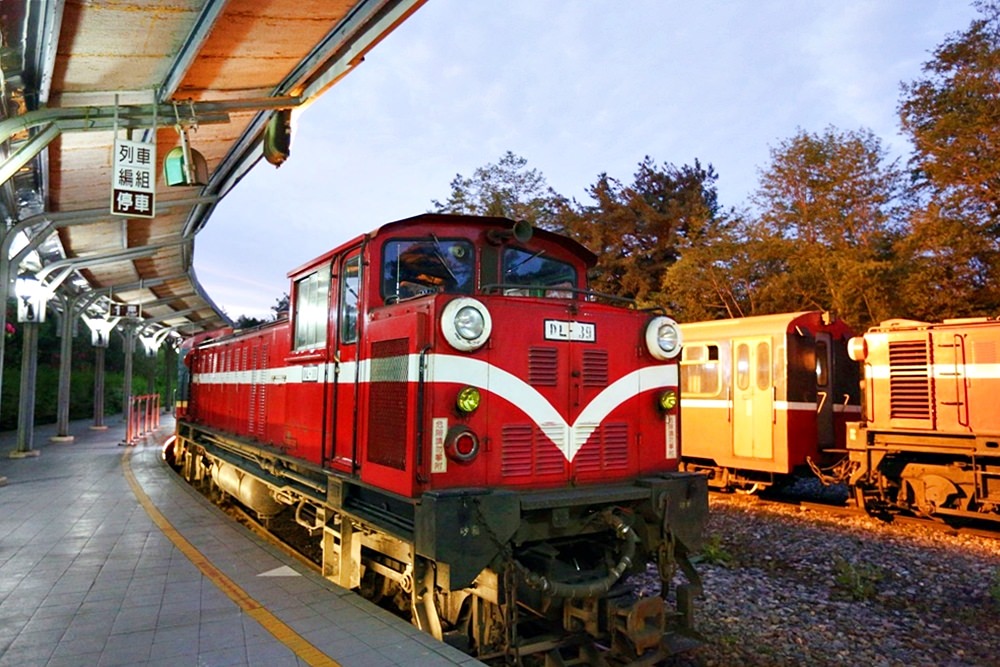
<point x="821" y="356"/>
<point x="350" y="282"/>
<point x="742" y="366"/>
<point x="425" y="266"/>
<point x="534" y="269"/>
<point x="310" y="309"/>
<point x="763" y="366"/>
<point x="700" y="370"/>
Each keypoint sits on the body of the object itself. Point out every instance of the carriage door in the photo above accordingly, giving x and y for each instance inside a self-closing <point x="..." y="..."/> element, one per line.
<point x="342" y="418"/>
<point x="753" y="398"/>
<point x="825" y="397"/>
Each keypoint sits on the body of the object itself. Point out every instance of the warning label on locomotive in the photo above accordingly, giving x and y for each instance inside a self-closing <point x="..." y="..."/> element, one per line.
<point x="671" y="436"/>
<point x="439" y="430"/>
<point x="560" y="330"/>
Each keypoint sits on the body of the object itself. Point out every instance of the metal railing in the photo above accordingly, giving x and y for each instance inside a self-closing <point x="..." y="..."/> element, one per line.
<point x="142" y="417"/>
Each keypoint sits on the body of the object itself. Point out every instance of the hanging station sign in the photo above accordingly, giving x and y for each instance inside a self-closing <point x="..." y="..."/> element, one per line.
<point x="128" y="310"/>
<point x="133" y="179"/>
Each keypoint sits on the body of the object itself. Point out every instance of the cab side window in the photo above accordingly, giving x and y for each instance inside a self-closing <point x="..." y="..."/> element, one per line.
<point x="350" y="288"/>
<point x="311" y="307"/>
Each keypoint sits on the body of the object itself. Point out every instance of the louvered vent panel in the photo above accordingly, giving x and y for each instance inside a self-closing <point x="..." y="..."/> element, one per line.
<point x="595" y="368"/>
<point x="543" y="366"/>
<point x="549" y="459"/>
<point x="614" y="438"/>
<point x="517" y="446"/>
<point x="388" y="407"/>
<point x="909" y="380"/>
<point x="605" y="451"/>
<point x="254" y="389"/>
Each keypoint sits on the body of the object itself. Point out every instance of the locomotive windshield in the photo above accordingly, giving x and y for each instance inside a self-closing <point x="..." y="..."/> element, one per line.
<point x="424" y="266"/>
<point x="526" y="269"/>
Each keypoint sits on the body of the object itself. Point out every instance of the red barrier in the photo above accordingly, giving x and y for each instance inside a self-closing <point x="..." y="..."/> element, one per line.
<point x="142" y="418"/>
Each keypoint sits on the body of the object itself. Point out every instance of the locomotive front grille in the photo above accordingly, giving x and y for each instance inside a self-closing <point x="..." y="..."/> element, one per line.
<point x="909" y="380"/>
<point x="527" y="451"/>
<point x="595" y="368"/>
<point x="606" y="451"/>
<point x="543" y="366"/>
<point x="531" y="450"/>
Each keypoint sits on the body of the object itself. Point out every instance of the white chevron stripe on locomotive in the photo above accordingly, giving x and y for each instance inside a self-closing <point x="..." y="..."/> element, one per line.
<point x="463" y="370"/>
<point x="569" y="438"/>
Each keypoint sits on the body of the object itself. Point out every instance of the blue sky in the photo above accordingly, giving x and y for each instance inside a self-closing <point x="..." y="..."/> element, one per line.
<point x="575" y="87"/>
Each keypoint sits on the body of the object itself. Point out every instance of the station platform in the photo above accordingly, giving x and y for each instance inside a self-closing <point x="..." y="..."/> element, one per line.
<point x="107" y="558"/>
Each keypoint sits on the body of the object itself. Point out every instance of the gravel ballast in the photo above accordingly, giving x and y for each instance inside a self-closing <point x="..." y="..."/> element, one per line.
<point x="785" y="585"/>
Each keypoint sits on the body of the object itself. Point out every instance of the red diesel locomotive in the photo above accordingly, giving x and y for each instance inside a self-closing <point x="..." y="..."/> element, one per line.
<point x="468" y="431"/>
<point x="929" y="437"/>
<point x="766" y="398"/>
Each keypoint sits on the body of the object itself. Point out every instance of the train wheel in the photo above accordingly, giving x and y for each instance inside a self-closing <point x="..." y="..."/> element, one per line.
<point x="422" y="598"/>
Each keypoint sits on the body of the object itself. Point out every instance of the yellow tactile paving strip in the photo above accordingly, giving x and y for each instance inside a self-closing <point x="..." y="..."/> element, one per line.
<point x="302" y="648"/>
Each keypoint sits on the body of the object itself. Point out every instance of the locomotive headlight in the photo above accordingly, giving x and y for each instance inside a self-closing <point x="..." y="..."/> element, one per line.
<point x="663" y="338"/>
<point x="857" y="348"/>
<point x="469" y="323"/>
<point x="668" y="400"/>
<point x="468" y="399"/>
<point x="466" y="324"/>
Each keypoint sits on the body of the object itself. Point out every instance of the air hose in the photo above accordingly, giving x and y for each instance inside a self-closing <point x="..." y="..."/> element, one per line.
<point x="596" y="587"/>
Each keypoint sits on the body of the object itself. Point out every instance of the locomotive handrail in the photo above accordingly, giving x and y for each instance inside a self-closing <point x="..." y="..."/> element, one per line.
<point x="961" y="397"/>
<point x="502" y="287"/>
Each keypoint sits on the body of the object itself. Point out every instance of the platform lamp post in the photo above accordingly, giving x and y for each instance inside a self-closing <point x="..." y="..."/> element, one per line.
<point x="31" y="302"/>
<point x="100" y="336"/>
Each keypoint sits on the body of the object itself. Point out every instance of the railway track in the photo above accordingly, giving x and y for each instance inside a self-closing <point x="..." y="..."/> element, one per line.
<point x="847" y="508"/>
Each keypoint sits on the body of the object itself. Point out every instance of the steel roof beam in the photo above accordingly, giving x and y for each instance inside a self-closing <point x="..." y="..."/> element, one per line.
<point x="27" y="151"/>
<point x="203" y="26"/>
<point x="138" y="115"/>
<point x="43" y="24"/>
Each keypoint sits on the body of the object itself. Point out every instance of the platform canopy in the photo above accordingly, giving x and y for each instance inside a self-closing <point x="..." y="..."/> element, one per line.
<point x="213" y="71"/>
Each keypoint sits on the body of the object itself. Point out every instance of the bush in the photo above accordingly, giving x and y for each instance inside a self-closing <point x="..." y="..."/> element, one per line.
<point x="713" y="553"/>
<point x="856" y="582"/>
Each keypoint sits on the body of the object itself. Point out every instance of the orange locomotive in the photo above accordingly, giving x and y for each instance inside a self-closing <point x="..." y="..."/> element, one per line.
<point x="929" y="438"/>
<point x="766" y="397"/>
<point x="469" y="431"/>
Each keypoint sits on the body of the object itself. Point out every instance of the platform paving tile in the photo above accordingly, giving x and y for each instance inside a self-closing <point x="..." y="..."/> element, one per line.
<point x="87" y="578"/>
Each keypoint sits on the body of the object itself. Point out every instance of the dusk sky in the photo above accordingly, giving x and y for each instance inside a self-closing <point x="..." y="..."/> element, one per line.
<point x="576" y="88"/>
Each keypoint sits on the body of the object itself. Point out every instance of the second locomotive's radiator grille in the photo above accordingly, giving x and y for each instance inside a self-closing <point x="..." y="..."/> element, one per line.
<point x="595" y="368"/>
<point x="543" y="366"/>
<point x="388" y="411"/>
<point x="909" y="380"/>
<point x="606" y="450"/>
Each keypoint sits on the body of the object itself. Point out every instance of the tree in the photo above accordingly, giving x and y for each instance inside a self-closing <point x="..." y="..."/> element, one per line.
<point x="639" y="231"/>
<point x="831" y="206"/>
<point x="506" y="189"/>
<point x="952" y="116"/>
<point x="714" y="276"/>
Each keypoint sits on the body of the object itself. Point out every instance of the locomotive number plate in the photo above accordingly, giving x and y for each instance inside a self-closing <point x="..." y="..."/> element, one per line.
<point x="560" y="330"/>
